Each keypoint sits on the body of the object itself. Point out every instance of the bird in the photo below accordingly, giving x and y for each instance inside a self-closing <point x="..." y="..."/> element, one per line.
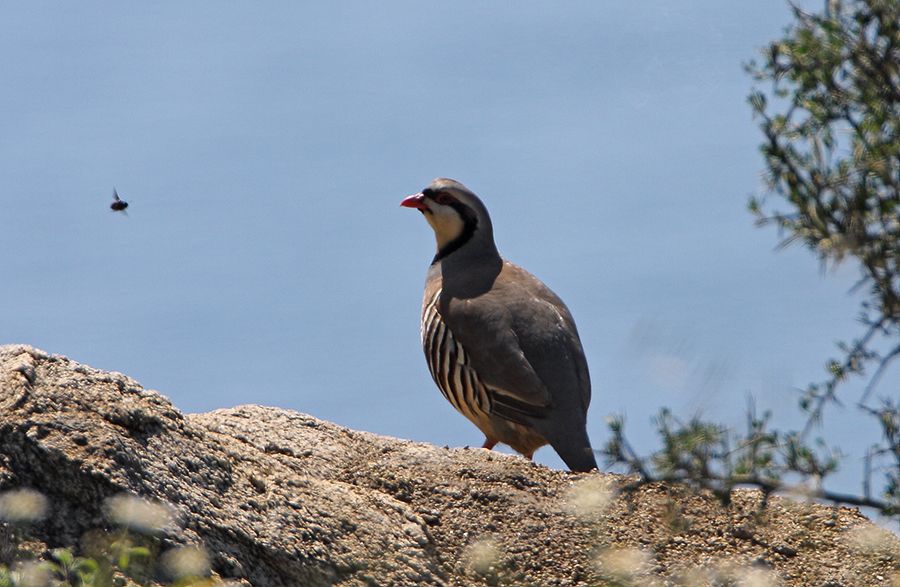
<point x="502" y="347"/>
<point x="118" y="204"/>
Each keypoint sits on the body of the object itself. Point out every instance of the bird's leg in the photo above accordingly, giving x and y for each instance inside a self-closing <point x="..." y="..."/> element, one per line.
<point x="529" y="456"/>
<point x="488" y="443"/>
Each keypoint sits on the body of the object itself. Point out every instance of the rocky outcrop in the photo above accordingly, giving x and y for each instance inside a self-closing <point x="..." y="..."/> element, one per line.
<point x="281" y="498"/>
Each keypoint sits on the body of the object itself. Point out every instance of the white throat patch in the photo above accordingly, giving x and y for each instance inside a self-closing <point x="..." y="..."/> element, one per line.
<point x="445" y="221"/>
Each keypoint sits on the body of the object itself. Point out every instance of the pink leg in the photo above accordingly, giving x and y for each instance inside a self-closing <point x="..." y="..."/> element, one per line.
<point x="489" y="444"/>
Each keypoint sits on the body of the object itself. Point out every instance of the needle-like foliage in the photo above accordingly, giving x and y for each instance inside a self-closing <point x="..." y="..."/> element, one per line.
<point x="828" y="102"/>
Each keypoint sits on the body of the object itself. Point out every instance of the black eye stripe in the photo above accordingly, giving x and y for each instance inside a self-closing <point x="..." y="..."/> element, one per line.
<point x="443" y="198"/>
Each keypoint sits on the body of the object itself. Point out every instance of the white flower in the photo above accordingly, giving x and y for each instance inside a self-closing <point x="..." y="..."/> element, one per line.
<point x="624" y="563"/>
<point x="139" y="514"/>
<point x="591" y="496"/>
<point x="482" y="556"/>
<point x="22" y="505"/>
<point x="187" y="561"/>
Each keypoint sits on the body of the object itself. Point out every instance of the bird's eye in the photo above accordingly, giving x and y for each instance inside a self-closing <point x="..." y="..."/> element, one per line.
<point x="443" y="198"/>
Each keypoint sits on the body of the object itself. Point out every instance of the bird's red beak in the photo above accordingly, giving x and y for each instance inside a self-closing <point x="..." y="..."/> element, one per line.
<point x="414" y="201"/>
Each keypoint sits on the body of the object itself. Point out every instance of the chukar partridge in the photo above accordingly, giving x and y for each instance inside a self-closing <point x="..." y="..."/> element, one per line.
<point x="502" y="347"/>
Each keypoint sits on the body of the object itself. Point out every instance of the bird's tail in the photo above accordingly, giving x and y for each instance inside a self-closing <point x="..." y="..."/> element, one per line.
<point x="574" y="447"/>
<point x="580" y="460"/>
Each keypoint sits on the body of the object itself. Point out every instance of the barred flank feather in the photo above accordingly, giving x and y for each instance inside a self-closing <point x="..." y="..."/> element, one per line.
<point x="449" y="366"/>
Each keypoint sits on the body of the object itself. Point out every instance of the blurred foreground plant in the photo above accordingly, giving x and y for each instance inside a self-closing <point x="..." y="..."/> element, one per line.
<point x="832" y="152"/>
<point x="708" y="456"/>
<point x="129" y="554"/>
<point x="830" y="115"/>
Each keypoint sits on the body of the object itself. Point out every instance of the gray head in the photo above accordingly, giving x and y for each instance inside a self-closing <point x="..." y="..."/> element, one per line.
<point x="457" y="216"/>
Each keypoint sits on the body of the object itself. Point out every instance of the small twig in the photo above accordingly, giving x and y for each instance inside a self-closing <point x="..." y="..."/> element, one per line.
<point x="767" y="486"/>
<point x="858" y="349"/>
<point x="634" y="461"/>
<point x="867" y="474"/>
<point x="873" y="381"/>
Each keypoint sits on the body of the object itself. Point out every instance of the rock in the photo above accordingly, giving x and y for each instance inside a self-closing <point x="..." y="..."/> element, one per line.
<point x="278" y="498"/>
